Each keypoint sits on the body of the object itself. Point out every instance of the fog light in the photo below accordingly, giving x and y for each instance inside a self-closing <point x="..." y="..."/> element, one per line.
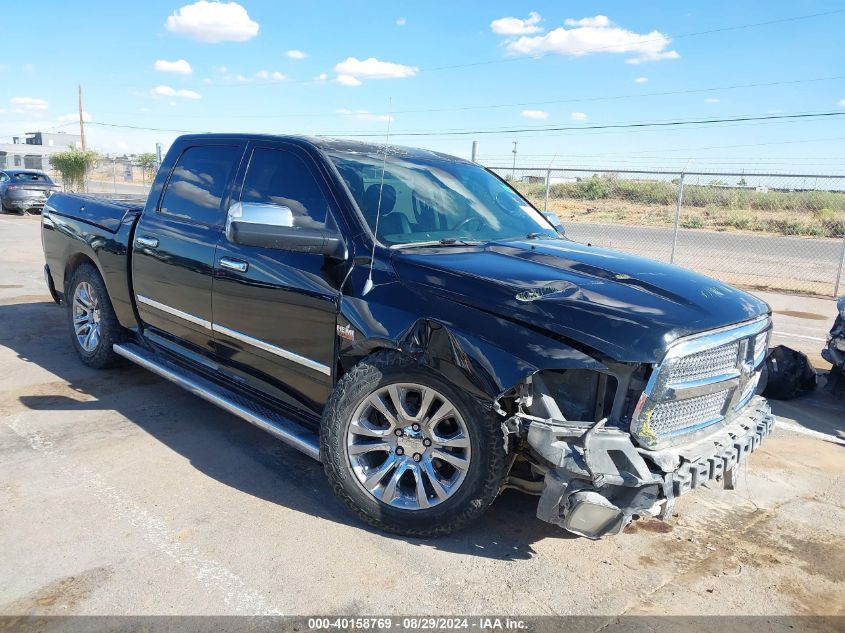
<point x="589" y="514"/>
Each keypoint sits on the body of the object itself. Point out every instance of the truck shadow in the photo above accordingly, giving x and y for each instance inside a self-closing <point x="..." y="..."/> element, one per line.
<point x="222" y="446"/>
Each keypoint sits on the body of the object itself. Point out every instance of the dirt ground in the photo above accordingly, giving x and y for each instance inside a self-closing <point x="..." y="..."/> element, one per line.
<point x="121" y="494"/>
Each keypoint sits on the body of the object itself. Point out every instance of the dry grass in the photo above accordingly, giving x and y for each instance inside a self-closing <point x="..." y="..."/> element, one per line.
<point x="613" y="201"/>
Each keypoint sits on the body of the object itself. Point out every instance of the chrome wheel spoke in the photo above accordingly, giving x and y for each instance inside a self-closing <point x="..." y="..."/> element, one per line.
<point x="389" y="492"/>
<point x="455" y="460"/>
<point x="359" y="448"/>
<point x="361" y="428"/>
<point x="379" y="405"/>
<point x="374" y="478"/>
<point x="458" y="440"/>
<point x="444" y="411"/>
<point x="426" y="398"/>
<point x="434" y="478"/>
<point x="397" y="398"/>
<point x="421" y="495"/>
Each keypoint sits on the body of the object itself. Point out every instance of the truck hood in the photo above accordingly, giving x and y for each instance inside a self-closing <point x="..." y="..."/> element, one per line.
<point x="626" y="307"/>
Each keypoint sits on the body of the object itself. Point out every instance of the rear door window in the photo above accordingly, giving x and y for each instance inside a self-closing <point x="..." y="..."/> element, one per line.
<point x="198" y="184"/>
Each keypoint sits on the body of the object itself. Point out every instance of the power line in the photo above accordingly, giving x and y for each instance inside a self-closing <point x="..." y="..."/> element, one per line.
<point x="606" y="126"/>
<point x="533" y="103"/>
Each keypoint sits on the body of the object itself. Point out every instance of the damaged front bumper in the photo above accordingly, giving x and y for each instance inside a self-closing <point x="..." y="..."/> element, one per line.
<point x="600" y="479"/>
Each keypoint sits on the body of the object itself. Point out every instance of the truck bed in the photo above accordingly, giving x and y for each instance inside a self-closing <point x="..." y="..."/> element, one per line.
<point x="104" y="211"/>
<point x="98" y="229"/>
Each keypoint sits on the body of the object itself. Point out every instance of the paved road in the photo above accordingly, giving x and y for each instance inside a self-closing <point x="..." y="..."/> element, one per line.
<point x="766" y="261"/>
<point x="120" y="493"/>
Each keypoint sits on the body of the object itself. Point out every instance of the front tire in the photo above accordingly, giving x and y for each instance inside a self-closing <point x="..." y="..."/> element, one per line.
<point x="408" y="452"/>
<point x="94" y="327"/>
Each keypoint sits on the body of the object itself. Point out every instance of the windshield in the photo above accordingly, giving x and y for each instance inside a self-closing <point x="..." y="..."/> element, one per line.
<point x="435" y="199"/>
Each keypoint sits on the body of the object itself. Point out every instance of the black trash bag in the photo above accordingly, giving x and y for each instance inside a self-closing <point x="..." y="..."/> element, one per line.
<point x="790" y="374"/>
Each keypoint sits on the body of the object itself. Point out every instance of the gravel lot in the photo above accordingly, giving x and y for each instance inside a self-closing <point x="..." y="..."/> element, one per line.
<point x="121" y="494"/>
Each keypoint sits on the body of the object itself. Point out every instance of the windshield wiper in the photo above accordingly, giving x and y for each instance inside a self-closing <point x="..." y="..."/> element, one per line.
<point x="539" y="236"/>
<point x="446" y="241"/>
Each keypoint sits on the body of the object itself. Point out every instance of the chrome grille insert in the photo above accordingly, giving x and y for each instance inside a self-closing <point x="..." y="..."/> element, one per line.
<point x="706" y="364"/>
<point x="681" y="416"/>
<point x="701" y="383"/>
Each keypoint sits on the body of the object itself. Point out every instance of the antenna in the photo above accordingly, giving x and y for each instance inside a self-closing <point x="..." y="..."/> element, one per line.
<point x="368" y="285"/>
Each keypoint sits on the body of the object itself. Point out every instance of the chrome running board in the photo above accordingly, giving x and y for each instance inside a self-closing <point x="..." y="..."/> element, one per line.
<point x="289" y="432"/>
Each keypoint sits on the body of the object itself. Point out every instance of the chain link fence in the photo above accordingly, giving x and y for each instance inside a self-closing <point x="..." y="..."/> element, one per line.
<point x="767" y="231"/>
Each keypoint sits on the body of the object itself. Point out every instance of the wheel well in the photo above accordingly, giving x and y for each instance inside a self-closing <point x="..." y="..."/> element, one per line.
<point x="75" y="261"/>
<point x="343" y="364"/>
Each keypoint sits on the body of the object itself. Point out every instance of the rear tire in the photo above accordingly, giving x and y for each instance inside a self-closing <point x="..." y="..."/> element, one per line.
<point x="94" y="327"/>
<point x="424" y="481"/>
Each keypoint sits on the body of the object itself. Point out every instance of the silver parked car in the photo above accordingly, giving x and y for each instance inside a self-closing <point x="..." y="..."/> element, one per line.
<point x="25" y="190"/>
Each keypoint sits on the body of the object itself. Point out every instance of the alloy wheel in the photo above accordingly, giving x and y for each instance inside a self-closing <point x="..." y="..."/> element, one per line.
<point x="86" y="316"/>
<point x="408" y="446"/>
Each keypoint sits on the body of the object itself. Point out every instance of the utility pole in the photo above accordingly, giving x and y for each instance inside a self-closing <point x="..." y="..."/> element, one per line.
<point x="81" y="121"/>
<point x="475" y="151"/>
<point x="513" y="171"/>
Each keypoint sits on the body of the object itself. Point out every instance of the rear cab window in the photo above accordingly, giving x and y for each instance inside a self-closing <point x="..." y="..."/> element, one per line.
<point x="197" y="187"/>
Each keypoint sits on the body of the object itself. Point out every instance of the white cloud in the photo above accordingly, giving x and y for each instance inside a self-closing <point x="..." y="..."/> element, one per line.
<point x="535" y="114"/>
<point x="371" y="68"/>
<point x="578" y="116"/>
<point x="295" y="54"/>
<point x="213" y="22"/>
<point x="595" y="35"/>
<point x="266" y="75"/>
<point x="401" y="21"/>
<point x="167" y="91"/>
<point x="322" y="77"/>
<point x="348" y="80"/>
<point x="28" y="103"/>
<point x="179" y="66"/>
<point x="599" y="21"/>
<point x="641" y="80"/>
<point x="517" y="26"/>
<point x="842" y="104"/>
<point x="222" y="69"/>
<point x="74" y="117"/>
<point x="711" y="100"/>
<point x="364" y="115"/>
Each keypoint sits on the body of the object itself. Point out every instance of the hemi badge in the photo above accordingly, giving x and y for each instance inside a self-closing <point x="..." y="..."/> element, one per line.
<point x="346" y="332"/>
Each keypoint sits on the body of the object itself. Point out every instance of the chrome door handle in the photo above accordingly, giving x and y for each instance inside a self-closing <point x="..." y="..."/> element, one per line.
<point x="147" y="242"/>
<point x="234" y="264"/>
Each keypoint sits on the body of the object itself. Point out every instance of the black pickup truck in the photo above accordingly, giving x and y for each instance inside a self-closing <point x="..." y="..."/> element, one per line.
<point x="412" y="322"/>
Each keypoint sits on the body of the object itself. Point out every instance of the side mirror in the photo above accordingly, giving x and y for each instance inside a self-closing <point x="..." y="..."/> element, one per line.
<point x="552" y="217"/>
<point x="272" y="226"/>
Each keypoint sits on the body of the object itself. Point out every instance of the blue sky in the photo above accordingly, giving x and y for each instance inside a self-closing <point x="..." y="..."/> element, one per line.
<point x="552" y="64"/>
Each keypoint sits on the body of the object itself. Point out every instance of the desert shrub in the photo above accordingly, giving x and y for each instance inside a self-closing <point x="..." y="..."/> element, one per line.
<point x="693" y="222"/>
<point x="592" y="188"/>
<point x="740" y="221"/>
<point x="73" y="165"/>
<point x="646" y="192"/>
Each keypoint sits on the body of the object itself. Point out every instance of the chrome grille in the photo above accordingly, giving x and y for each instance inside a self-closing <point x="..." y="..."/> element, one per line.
<point x="670" y="418"/>
<point x="706" y="364"/>
<point x="702" y="381"/>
